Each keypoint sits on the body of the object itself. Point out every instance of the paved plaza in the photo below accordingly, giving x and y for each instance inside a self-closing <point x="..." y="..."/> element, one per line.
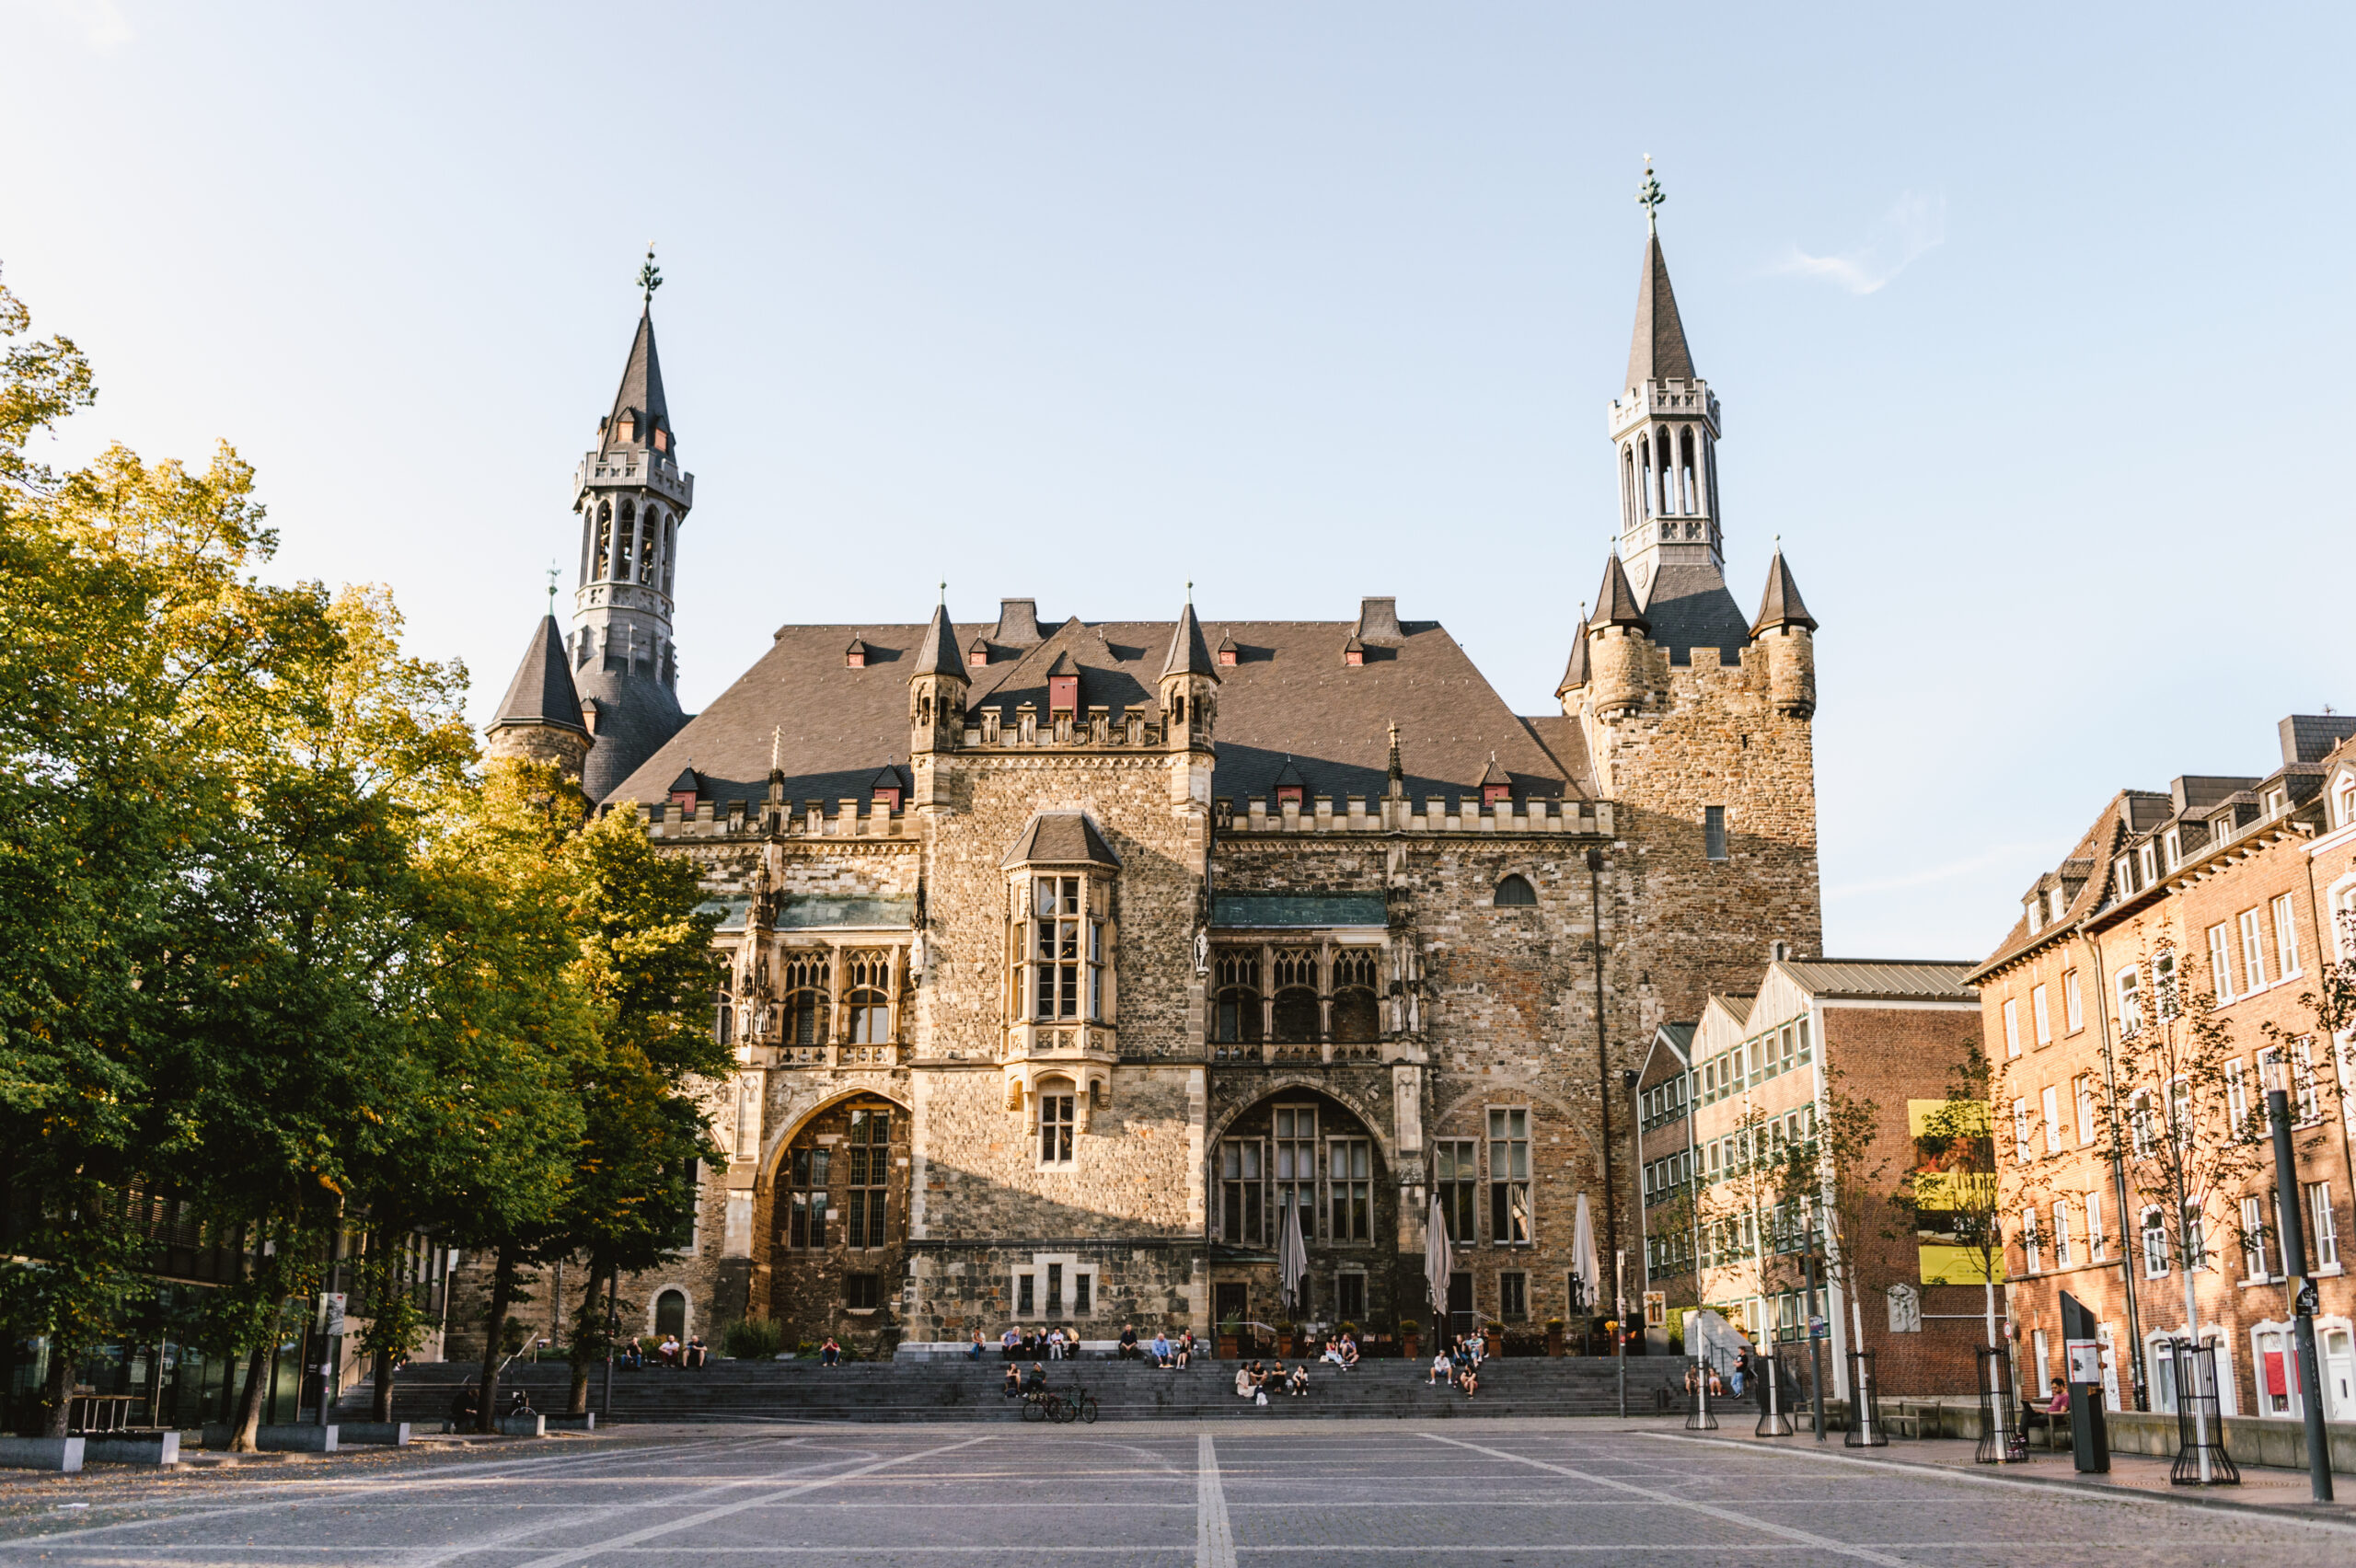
<point x="1144" y="1493"/>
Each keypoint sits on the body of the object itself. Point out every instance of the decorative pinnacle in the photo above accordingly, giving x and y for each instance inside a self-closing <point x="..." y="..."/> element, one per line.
<point x="552" y="576"/>
<point x="650" y="277"/>
<point x="944" y="593"/>
<point x="1190" y="590"/>
<point x="1649" y="197"/>
<point x="776" y="741"/>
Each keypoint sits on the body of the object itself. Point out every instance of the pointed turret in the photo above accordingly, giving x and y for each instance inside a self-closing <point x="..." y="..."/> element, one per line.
<point x="1780" y="604"/>
<point x="540" y="719"/>
<point x="1616" y="605"/>
<point x="1189" y="683"/>
<point x="937" y="691"/>
<point x="1659" y="352"/>
<point x="1575" y="673"/>
<point x="1787" y="633"/>
<point x="1189" y="654"/>
<point x="640" y="416"/>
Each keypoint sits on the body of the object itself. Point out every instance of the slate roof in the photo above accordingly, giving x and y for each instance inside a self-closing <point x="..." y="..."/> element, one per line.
<point x="1658" y="352"/>
<point x="1188" y="655"/>
<point x="938" y="655"/>
<point x="1780" y="604"/>
<point x="1575" y="670"/>
<point x="637" y="714"/>
<point x="2091" y="858"/>
<point x="1891" y="979"/>
<point x="542" y="691"/>
<point x="1060" y="838"/>
<point x="642" y="387"/>
<point x="1286" y="695"/>
<point x="1616" y="605"/>
<point x="1689" y="607"/>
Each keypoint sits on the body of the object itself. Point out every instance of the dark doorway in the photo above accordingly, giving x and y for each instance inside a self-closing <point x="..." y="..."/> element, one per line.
<point x="671" y="1313"/>
<point x="1460" y="1304"/>
<point x="1229" y="1306"/>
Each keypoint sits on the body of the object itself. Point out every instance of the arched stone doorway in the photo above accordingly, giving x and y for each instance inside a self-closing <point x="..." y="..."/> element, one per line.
<point x="836" y="1240"/>
<point x="1299" y="1148"/>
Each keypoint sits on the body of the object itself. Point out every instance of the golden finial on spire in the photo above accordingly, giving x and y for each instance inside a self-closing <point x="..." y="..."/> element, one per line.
<point x="552" y="577"/>
<point x="650" y="277"/>
<point x="1649" y="197"/>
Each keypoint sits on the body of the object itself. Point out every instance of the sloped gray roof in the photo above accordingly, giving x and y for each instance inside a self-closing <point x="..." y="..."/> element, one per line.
<point x="1286" y="695"/>
<point x="1060" y="838"/>
<point x="1885" y="978"/>
<point x="637" y="716"/>
<point x="642" y="387"/>
<point x="1616" y="605"/>
<point x="938" y="654"/>
<point x="542" y="691"/>
<point x="1188" y="655"/>
<point x="1659" y="352"/>
<point x="1688" y="606"/>
<point x="1780" y="604"/>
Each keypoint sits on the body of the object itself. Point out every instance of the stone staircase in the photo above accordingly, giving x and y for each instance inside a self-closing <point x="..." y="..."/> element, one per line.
<point x="964" y="1390"/>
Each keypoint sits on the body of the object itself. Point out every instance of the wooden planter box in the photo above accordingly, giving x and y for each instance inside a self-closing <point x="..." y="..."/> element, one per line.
<point x="1553" y="1339"/>
<point x="1227" y="1348"/>
<point x="1415" y="1346"/>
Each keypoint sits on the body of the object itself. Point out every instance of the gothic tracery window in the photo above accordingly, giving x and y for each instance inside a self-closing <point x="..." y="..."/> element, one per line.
<point x="1356" y="1017"/>
<point x="1236" y="975"/>
<point x="869" y="1000"/>
<point x="1298" y="1017"/>
<point x="806" y="998"/>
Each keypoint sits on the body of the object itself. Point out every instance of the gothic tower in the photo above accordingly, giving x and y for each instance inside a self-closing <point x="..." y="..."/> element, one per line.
<point x="632" y="498"/>
<point x="1665" y="423"/>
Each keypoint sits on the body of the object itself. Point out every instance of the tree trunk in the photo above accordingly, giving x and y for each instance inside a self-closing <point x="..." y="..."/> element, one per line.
<point x="243" y="1425"/>
<point x="381" y="1408"/>
<point x="503" y="1286"/>
<point x="57" y="1391"/>
<point x="577" y="1402"/>
<point x="2183" y="1385"/>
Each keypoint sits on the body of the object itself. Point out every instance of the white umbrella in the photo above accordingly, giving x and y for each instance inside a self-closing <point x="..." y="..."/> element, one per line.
<point x="1583" y="1260"/>
<point x="1438" y="1263"/>
<point x="1292" y="1258"/>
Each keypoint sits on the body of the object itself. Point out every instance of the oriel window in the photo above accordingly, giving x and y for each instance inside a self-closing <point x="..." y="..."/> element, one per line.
<point x="1067" y="948"/>
<point x="1509" y="1176"/>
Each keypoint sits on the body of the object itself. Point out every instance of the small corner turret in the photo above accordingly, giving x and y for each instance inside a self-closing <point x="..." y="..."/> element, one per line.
<point x="1785" y="629"/>
<point x="937" y="689"/>
<point x="540" y="719"/>
<point x="1189" y="685"/>
<point x="1619" y="645"/>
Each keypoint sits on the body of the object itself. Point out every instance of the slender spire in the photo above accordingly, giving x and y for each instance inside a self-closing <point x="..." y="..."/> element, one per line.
<point x="1189" y="654"/>
<point x="1616" y="605"/>
<point x="1781" y="603"/>
<point x="1395" y="774"/>
<point x="642" y="388"/>
<point x="1658" y="350"/>
<point x="937" y="656"/>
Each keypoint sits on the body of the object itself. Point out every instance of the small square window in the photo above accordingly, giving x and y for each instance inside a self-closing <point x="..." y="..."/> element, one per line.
<point x="861" y="1291"/>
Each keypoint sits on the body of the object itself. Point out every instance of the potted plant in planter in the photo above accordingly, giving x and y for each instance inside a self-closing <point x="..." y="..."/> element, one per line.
<point x="1553" y="1336"/>
<point x="1495" y="1336"/>
<point x="1408" y="1339"/>
<point x="1230" y="1333"/>
<point x="1287" y="1337"/>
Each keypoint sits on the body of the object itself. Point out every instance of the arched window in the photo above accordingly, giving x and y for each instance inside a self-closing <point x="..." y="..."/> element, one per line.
<point x="870" y="1000"/>
<point x="806" y="998"/>
<point x="625" y="545"/>
<point x="1686" y="471"/>
<point x="1298" y="1017"/>
<point x="1057" y="1098"/>
<point x="1357" y="1018"/>
<point x="1645" y="472"/>
<point x="1236" y="974"/>
<point x="670" y="542"/>
<point x="723" y="1018"/>
<point x="604" y="538"/>
<point x="670" y="1312"/>
<point x="1515" y="893"/>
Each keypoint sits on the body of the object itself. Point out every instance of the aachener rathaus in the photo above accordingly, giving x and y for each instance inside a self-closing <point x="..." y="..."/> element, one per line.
<point x="1063" y="955"/>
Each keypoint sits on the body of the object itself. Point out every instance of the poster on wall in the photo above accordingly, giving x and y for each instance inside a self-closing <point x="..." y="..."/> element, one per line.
<point x="1954" y="1183"/>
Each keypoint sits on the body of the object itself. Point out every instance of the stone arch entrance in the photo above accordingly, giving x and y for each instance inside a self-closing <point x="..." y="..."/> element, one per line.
<point x="1301" y="1149"/>
<point x="832" y="1247"/>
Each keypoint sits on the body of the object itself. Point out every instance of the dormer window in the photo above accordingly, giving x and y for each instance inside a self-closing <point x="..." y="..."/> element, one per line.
<point x="1291" y="787"/>
<point x="1354" y="652"/>
<point x="2344" y="811"/>
<point x="2061" y="903"/>
<point x="2036" y="915"/>
<point x="886" y="789"/>
<point x="2147" y="861"/>
<point x="2273" y="801"/>
<point x="626" y="428"/>
<point x="2220" y="828"/>
<point x="855" y="656"/>
<point x="661" y="439"/>
<point x="1226" y="651"/>
<point x="1496" y="785"/>
<point x="1288" y="794"/>
<point x="978" y="655"/>
<point x="2172" y="848"/>
<point x="686" y="789"/>
<point x="1063" y="694"/>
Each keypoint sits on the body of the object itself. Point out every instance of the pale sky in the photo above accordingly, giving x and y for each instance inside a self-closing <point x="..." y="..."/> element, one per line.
<point x="2025" y="321"/>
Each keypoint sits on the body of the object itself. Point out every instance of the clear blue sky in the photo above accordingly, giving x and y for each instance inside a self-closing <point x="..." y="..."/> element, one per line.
<point x="2030" y="324"/>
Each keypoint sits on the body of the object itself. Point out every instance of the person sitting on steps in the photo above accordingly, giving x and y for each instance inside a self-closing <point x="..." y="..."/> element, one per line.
<point x="1243" y="1381"/>
<point x="1128" y="1341"/>
<point x="1297" y="1384"/>
<point x="1013" y="1386"/>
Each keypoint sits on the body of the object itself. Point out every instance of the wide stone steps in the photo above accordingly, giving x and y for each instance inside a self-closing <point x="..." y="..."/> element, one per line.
<point x="959" y="1391"/>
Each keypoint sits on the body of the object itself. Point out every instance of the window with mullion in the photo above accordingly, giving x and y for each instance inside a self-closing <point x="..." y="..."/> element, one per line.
<point x="1455" y="1175"/>
<point x="1509" y="1176"/>
<point x="806" y="1199"/>
<point x="866" y="1163"/>
<point x="1067" y="952"/>
<point x="1350" y="1189"/>
<point x="1296" y="1172"/>
<point x="1242" y="1195"/>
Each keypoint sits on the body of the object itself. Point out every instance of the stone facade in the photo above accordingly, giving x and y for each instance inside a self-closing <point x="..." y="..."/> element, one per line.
<point x="1148" y="934"/>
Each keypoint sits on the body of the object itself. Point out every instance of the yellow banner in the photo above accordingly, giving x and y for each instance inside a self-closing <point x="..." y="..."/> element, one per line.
<point x="1948" y="1133"/>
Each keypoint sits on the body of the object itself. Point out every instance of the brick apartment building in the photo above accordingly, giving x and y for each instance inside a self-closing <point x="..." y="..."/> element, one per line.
<point x="1752" y="1078"/>
<point x="2230" y="893"/>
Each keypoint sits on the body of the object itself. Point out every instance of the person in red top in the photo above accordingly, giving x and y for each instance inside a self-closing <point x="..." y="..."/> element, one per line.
<point x="2060" y="1404"/>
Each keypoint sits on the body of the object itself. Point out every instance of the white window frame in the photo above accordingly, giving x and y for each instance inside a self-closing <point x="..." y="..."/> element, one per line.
<point x="2032" y="1243"/>
<point x="2156" y="1257"/>
<point x="2286" y="939"/>
<point x="2012" y="1027"/>
<point x="2073" y="1002"/>
<point x="2095" y="1243"/>
<point x="2129" y="986"/>
<point x="2041" y="1014"/>
<point x="2083" y="1087"/>
<point x="2022" y="1147"/>
<point x="2061" y="1233"/>
<point x="2323" y="1227"/>
<point x="2236" y="1097"/>
<point x="2253" y="953"/>
<point x="2254" y="1242"/>
<point x="2220" y="963"/>
<point x="2051" y="1102"/>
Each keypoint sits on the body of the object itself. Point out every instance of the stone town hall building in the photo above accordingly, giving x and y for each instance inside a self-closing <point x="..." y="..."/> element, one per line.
<point x="1064" y="956"/>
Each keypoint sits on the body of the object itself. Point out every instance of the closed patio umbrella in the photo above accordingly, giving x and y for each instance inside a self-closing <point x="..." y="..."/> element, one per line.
<point x="1438" y="1263"/>
<point x="1292" y="1260"/>
<point x="1583" y="1259"/>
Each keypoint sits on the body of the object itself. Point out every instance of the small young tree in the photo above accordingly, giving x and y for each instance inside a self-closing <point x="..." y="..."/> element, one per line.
<point x="2170" y="1122"/>
<point x="1949" y="1199"/>
<point x="1747" y="1220"/>
<point x="1841" y="1175"/>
